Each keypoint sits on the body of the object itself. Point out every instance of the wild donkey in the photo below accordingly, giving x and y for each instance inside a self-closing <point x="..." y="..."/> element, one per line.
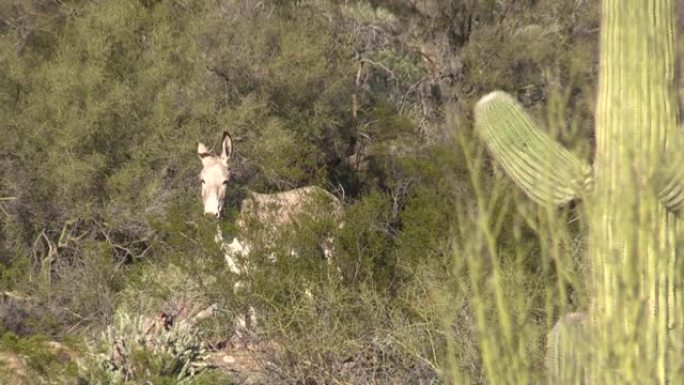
<point x="263" y="219"/>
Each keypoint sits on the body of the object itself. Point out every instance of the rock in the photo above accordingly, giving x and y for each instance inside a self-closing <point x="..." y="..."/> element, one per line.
<point x="13" y="368"/>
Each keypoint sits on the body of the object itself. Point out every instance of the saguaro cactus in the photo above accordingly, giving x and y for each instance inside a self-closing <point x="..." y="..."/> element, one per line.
<point x="632" y="194"/>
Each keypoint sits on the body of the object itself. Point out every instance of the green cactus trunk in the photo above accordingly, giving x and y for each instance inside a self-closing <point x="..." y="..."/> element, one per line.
<point x="636" y="278"/>
<point x="636" y="306"/>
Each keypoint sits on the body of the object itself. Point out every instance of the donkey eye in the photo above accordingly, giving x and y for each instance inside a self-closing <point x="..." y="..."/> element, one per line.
<point x="202" y="181"/>
<point x="225" y="182"/>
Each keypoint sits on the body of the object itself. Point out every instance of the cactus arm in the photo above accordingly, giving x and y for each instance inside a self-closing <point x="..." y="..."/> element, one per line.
<point x="671" y="188"/>
<point x="548" y="173"/>
<point x="669" y="180"/>
<point x="565" y="351"/>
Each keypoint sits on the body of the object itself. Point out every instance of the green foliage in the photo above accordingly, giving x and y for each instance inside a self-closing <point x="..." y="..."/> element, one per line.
<point x="41" y="360"/>
<point x="366" y="241"/>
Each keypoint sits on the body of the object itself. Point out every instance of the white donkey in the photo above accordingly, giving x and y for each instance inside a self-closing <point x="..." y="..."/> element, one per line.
<point x="266" y="217"/>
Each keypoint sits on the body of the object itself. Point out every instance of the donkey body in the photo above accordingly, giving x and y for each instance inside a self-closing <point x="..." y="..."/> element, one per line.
<point x="263" y="220"/>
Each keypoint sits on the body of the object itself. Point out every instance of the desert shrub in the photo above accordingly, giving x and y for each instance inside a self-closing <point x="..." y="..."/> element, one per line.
<point x="37" y="360"/>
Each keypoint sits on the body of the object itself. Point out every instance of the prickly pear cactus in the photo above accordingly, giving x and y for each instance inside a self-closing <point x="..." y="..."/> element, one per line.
<point x="632" y="196"/>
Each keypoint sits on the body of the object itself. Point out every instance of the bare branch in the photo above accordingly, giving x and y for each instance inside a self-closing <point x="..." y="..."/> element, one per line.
<point x="383" y="67"/>
<point x="357" y="84"/>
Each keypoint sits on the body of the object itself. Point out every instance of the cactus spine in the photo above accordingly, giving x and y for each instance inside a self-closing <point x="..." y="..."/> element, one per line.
<point x="636" y="276"/>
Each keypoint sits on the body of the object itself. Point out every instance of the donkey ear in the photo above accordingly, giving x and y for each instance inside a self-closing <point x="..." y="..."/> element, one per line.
<point x="226" y="147"/>
<point x="203" y="152"/>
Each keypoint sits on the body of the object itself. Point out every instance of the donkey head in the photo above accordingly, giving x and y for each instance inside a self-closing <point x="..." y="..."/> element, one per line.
<point x="215" y="175"/>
